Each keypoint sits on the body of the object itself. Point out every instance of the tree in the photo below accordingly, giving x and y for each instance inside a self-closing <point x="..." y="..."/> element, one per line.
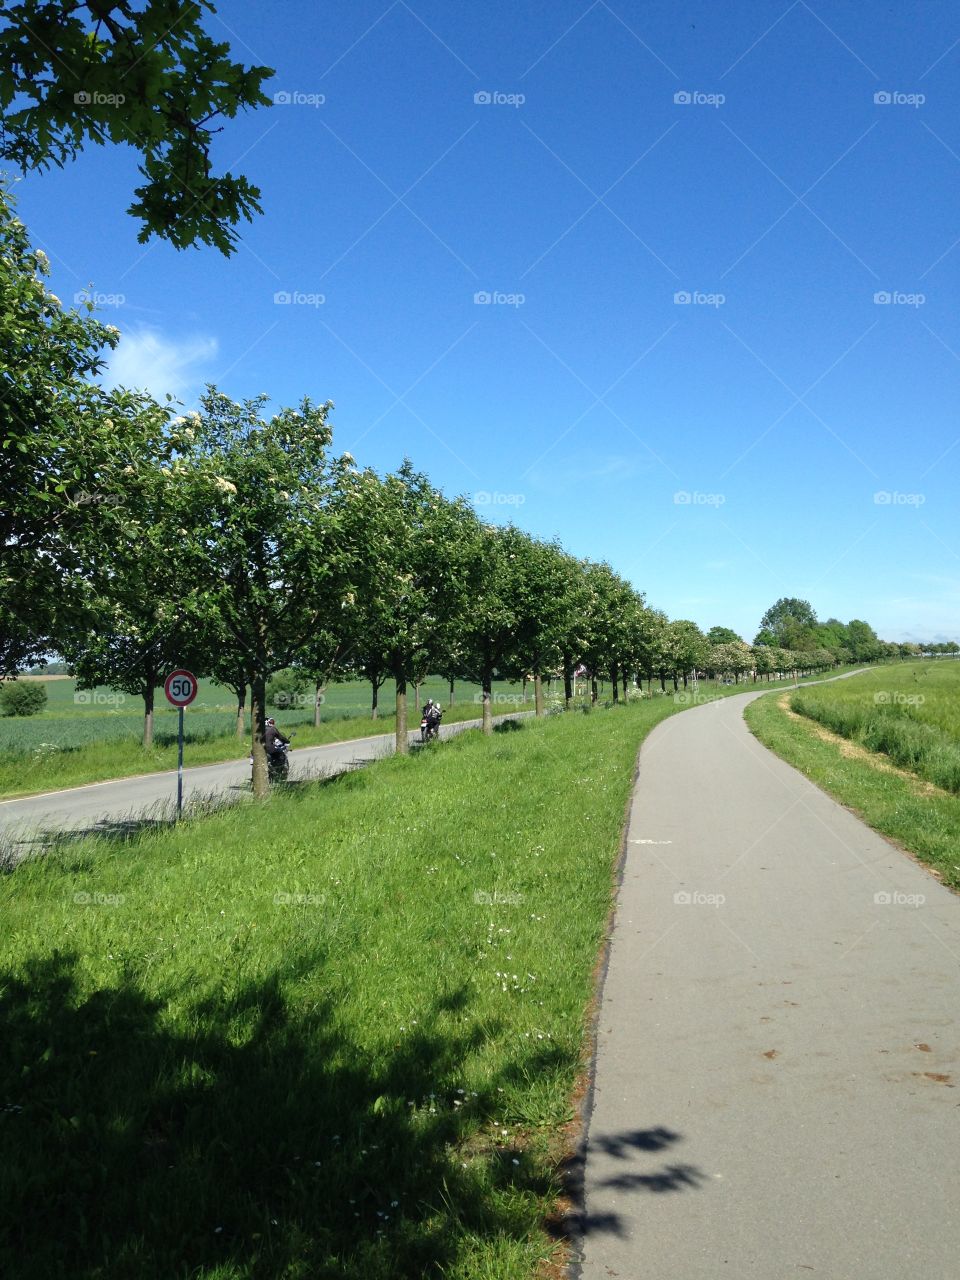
<point x="687" y="648"/>
<point x="789" y="622"/>
<point x="69" y="451"/>
<point x="259" y="505"/>
<point x="723" y="635"/>
<point x="72" y="74"/>
<point x="414" y="550"/>
<point x="547" y="606"/>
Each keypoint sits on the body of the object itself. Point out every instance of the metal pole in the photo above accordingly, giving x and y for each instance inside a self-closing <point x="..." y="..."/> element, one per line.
<point x="180" y="766"/>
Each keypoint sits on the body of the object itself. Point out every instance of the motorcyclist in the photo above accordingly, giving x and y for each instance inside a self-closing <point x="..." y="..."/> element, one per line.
<point x="432" y="713"/>
<point x="274" y="740"/>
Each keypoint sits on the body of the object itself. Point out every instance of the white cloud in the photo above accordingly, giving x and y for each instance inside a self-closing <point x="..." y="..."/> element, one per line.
<point x="146" y="359"/>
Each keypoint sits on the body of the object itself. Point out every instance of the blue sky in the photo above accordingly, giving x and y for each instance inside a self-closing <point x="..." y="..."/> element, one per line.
<point x="586" y="166"/>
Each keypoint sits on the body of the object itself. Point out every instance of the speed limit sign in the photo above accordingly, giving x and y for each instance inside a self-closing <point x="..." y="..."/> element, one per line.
<point x="180" y="688"/>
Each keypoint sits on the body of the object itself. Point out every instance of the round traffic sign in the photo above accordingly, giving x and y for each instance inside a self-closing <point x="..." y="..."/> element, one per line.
<point x="180" y="687"/>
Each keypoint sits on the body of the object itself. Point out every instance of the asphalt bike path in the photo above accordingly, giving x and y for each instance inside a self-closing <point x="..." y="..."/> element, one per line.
<point x="103" y="805"/>
<point x="777" y="1073"/>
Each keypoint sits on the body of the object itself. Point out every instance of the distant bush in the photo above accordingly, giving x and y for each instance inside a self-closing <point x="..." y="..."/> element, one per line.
<point x="21" y="699"/>
<point x="288" y="689"/>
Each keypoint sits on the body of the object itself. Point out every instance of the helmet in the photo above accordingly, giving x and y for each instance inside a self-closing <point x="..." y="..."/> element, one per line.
<point x="270" y="720"/>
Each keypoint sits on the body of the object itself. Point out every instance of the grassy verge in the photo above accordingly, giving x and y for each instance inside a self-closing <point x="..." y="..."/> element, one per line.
<point x="24" y="773"/>
<point x="923" y="819"/>
<point x="337" y="1036"/>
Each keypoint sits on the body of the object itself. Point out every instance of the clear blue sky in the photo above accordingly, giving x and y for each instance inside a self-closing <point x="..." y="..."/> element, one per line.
<point x="583" y="410"/>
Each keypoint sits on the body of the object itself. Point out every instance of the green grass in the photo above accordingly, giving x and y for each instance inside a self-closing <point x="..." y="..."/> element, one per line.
<point x="909" y="712"/>
<point x="926" y="824"/>
<point x="333" y="1037"/>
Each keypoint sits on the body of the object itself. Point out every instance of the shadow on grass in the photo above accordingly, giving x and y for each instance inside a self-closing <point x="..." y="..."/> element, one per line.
<point x="218" y="1136"/>
<point x="508" y="726"/>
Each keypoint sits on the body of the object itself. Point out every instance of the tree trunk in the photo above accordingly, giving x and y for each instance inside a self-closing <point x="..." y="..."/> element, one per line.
<point x="453" y="693"/>
<point x="523" y="695"/>
<point x="318" y="703"/>
<point x="487" y="709"/>
<point x="615" y="683"/>
<point x="567" y="685"/>
<point x="416" y="696"/>
<point x="241" y="711"/>
<point x="593" y="689"/>
<point x="684" y="679"/>
<point x="663" y="682"/>
<point x="402" y="741"/>
<point x="258" y="746"/>
<point x="676" y="683"/>
<point x="538" y="693"/>
<point x="375" y="700"/>
<point x="148" y="692"/>
<point x="624" y="686"/>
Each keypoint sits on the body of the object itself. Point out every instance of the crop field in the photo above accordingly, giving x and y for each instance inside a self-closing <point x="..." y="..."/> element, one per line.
<point x="74" y="719"/>
<point x="908" y="712"/>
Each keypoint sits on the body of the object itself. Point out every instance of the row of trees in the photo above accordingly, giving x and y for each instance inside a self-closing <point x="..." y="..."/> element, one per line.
<point x="241" y="544"/>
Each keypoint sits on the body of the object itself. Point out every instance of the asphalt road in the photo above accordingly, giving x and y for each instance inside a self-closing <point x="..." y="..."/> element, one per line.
<point x="102" y="806"/>
<point x="778" y="1059"/>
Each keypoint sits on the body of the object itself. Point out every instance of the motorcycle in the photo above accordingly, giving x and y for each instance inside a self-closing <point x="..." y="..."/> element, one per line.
<point x="278" y="763"/>
<point x="429" y="728"/>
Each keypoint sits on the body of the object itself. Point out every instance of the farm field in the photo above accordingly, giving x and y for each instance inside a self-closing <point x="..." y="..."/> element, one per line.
<point x="349" y="1050"/>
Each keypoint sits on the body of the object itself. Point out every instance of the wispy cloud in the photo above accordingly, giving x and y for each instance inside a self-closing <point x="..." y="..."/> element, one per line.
<point x="148" y="359"/>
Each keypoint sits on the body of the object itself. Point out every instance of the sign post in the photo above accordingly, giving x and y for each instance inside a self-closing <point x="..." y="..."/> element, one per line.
<point x="181" y="688"/>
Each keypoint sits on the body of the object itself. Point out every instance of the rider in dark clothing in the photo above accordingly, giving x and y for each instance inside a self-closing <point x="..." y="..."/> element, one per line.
<point x="273" y="738"/>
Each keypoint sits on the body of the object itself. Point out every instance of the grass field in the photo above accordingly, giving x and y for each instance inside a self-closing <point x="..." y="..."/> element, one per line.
<point x="335" y="1037"/>
<point x="909" y="712"/>
<point x="73" y="743"/>
<point x="923" y="819"/>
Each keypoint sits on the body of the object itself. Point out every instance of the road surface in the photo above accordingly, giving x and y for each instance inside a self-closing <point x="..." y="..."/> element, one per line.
<point x="777" y="1077"/>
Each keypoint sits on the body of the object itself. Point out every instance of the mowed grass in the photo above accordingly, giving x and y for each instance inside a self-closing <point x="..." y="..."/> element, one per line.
<point x="924" y="821"/>
<point x="908" y="712"/>
<point x="76" y="743"/>
<point x="335" y="1036"/>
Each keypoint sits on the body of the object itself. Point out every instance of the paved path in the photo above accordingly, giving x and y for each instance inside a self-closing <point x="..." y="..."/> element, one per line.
<point x="103" y="805"/>
<point x="777" y="1085"/>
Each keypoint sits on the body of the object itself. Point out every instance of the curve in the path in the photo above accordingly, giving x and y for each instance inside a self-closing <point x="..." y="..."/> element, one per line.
<point x="777" y="1070"/>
